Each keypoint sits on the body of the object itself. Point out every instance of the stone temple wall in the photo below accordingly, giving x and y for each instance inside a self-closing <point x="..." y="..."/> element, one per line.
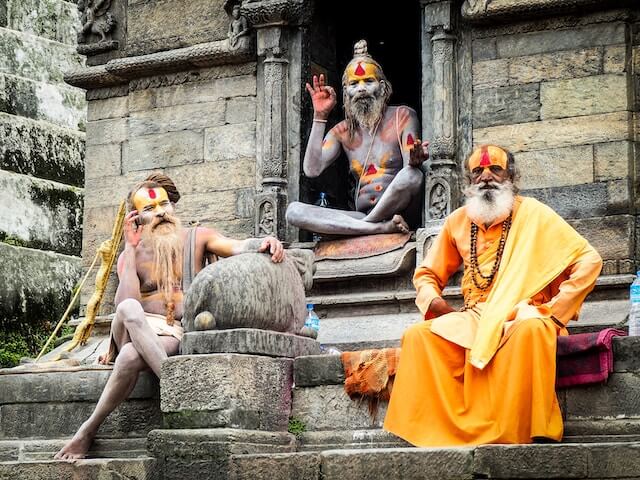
<point x="561" y="93"/>
<point x="41" y="160"/>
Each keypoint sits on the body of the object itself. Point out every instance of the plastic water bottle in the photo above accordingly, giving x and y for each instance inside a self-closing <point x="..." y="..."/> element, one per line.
<point x="312" y="322"/>
<point x="322" y="202"/>
<point x="634" y="313"/>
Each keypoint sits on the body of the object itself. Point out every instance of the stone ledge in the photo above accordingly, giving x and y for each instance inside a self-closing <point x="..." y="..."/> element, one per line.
<point x="490" y="10"/>
<point x="132" y="469"/>
<point x="120" y="71"/>
<point x="351" y="439"/>
<point x="33" y="450"/>
<point x="249" y="341"/>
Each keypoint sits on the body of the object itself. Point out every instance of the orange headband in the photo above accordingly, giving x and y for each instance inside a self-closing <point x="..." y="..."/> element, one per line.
<point x="488" y="155"/>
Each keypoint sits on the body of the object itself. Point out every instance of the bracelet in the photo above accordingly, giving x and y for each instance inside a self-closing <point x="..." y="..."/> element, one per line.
<point x="319" y="120"/>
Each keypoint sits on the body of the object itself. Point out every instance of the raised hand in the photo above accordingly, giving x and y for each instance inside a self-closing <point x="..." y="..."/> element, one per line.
<point x="132" y="229"/>
<point x="418" y="153"/>
<point x="323" y="97"/>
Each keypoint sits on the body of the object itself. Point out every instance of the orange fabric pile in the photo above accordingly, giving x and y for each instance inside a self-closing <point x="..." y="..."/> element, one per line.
<point x="369" y="375"/>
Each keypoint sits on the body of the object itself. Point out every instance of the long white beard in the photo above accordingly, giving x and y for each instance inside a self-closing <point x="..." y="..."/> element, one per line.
<point x="488" y="205"/>
<point x="365" y="112"/>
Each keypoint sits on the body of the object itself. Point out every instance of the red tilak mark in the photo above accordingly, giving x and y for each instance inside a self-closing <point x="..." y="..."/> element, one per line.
<point x="485" y="160"/>
<point x="371" y="170"/>
<point x="410" y="140"/>
<point x="359" y="70"/>
<point x="373" y="199"/>
<point x="152" y="194"/>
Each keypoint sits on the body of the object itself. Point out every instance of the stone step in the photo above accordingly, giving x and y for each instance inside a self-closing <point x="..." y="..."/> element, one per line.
<point x="36" y="58"/>
<point x="54" y="404"/>
<point x="52" y="19"/>
<point x="59" y="104"/>
<point x="100" y="468"/>
<point x="561" y="461"/>
<point x="35" y="450"/>
<point x="320" y="403"/>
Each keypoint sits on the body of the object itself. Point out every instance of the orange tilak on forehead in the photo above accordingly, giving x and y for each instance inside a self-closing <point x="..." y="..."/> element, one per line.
<point x="149" y="196"/>
<point x="486" y="156"/>
<point x="361" y="70"/>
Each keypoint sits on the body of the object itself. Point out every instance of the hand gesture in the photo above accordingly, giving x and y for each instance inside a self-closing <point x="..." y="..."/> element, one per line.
<point x="323" y="97"/>
<point x="418" y="153"/>
<point x="132" y="230"/>
<point x="274" y="247"/>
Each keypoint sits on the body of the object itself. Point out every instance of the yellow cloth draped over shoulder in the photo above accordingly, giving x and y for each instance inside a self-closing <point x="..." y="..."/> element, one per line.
<point x="487" y="374"/>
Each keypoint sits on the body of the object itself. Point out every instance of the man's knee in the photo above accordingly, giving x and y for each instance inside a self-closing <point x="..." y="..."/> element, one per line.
<point x="409" y="179"/>
<point x="129" y="359"/>
<point x="130" y="312"/>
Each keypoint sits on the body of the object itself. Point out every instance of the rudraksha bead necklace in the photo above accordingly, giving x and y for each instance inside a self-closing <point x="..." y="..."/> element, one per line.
<point x="475" y="268"/>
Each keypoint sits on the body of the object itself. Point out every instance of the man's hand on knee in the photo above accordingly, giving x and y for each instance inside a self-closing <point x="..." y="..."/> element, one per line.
<point x="439" y="306"/>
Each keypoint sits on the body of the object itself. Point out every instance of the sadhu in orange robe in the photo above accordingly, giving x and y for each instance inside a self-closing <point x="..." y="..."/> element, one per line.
<point x="487" y="374"/>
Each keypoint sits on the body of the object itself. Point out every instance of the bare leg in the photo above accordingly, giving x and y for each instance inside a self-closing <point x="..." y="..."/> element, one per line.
<point x="338" y="222"/>
<point x="398" y="194"/>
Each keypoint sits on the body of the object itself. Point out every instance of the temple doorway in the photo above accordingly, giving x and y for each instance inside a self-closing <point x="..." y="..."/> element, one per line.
<point x="393" y="39"/>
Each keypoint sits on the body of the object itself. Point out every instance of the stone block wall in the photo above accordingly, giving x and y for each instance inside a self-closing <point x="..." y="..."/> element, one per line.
<point x="42" y="123"/>
<point x="201" y="132"/>
<point x="559" y="93"/>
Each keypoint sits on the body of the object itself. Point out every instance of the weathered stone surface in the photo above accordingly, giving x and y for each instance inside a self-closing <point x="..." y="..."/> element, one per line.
<point x="205" y="453"/>
<point x="362" y="330"/>
<point x="491" y="73"/>
<point x="214" y="176"/>
<point x="36" y="285"/>
<point x="133" y="469"/>
<point x="36" y="58"/>
<point x="249" y="341"/>
<point x="55" y="419"/>
<point x="327" y="407"/>
<point x="329" y="440"/>
<point x="587" y="200"/>
<point x="625" y="354"/>
<point x="556" y="167"/>
<point x="484" y="49"/>
<point x="615" y="59"/>
<point x="240" y="110"/>
<point x="230" y="141"/>
<point x="114" y="107"/>
<point x="610" y="236"/>
<point x="531" y="461"/>
<point x="617" y="398"/>
<point x="161" y="25"/>
<point x="276" y="466"/>
<point x="52" y="19"/>
<point x="113" y="130"/>
<point x="251" y="291"/>
<point x="76" y="385"/>
<point x="614" y="461"/>
<point x="398" y="464"/>
<point x="555" y="66"/>
<point x="313" y="370"/>
<point x="43" y="214"/>
<point x="226" y="390"/>
<point x="583" y="96"/>
<point x="563" y="132"/>
<point x="196" y="92"/>
<point x="506" y="105"/>
<point x="103" y="160"/>
<point x="162" y="150"/>
<point x="44" y="449"/>
<point x="55" y="103"/>
<point x="556" y="40"/>
<point x="42" y="150"/>
<point x="612" y="160"/>
<point x="194" y="116"/>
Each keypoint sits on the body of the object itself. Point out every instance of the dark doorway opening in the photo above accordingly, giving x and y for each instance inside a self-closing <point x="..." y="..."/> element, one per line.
<point x="393" y="37"/>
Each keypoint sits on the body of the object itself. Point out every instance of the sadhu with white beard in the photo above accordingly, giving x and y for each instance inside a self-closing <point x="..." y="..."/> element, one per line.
<point x="486" y="373"/>
<point x="158" y="262"/>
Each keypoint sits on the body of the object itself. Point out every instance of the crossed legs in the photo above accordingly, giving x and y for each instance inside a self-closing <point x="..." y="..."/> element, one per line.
<point x="139" y="348"/>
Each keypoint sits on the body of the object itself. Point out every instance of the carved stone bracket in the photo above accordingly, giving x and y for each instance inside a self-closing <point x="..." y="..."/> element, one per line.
<point x="277" y="12"/>
<point x="478" y="10"/>
<point x="442" y="188"/>
<point x="97" y="24"/>
<point x="425" y="237"/>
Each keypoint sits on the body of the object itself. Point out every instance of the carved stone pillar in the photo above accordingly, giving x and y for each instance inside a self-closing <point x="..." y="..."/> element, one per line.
<point x="442" y="189"/>
<point x="275" y="23"/>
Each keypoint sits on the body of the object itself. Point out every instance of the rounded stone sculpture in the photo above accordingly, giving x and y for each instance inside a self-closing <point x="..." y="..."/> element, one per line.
<point x="250" y="291"/>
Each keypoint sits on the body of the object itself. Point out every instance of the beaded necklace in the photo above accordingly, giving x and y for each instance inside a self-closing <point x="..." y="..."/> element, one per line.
<point x="475" y="268"/>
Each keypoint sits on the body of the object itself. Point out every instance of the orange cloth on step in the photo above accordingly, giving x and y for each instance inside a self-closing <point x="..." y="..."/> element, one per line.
<point x="440" y="398"/>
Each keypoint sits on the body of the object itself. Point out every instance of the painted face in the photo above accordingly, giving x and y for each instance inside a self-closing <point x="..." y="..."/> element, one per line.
<point x="488" y="163"/>
<point x="150" y="202"/>
<point x="362" y="79"/>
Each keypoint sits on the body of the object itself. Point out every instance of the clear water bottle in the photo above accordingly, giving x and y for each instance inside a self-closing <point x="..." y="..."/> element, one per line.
<point x="312" y="322"/>
<point x="322" y="202"/>
<point x="634" y="313"/>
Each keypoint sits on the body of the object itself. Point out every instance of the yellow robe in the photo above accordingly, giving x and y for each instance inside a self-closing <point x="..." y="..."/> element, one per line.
<point x="439" y="397"/>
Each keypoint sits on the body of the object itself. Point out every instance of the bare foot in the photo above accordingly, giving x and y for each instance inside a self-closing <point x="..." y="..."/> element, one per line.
<point x="77" y="447"/>
<point x="397" y="224"/>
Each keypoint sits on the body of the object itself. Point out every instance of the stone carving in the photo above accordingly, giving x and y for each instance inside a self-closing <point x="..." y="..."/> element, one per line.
<point x="96" y="19"/>
<point x="238" y="27"/>
<point x="439" y="201"/>
<point x="269" y="12"/>
<point x="267" y="220"/>
<point x="474" y="7"/>
<point x="482" y="9"/>
<point x="250" y="291"/>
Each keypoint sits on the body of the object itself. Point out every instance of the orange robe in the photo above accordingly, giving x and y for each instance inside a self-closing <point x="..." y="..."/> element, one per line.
<point x="439" y="397"/>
